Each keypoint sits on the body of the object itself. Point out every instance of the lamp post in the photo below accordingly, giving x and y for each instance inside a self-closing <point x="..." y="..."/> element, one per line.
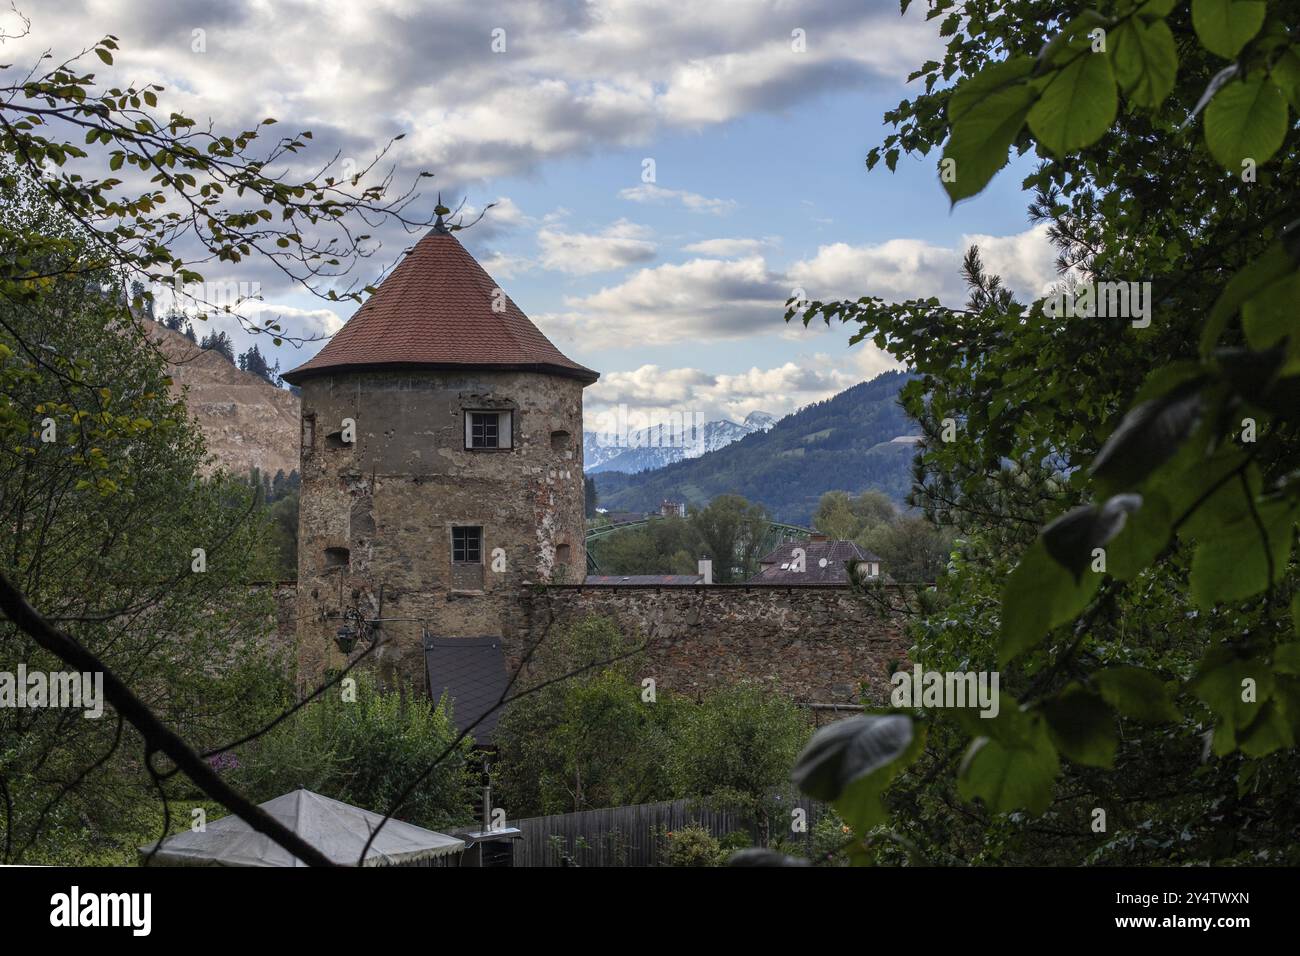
<point x="355" y="627"/>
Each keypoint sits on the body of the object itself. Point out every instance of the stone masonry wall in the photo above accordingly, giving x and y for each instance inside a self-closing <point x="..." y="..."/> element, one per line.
<point x="376" y="516"/>
<point x="814" y="644"/>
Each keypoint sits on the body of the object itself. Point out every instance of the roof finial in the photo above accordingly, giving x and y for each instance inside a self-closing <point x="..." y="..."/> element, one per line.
<point x="439" y="226"/>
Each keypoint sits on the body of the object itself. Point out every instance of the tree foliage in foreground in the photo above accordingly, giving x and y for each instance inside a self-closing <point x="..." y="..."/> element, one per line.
<point x="135" y="195"/>
<point x="103" y="507"/>
<point x="1126" y="490"/>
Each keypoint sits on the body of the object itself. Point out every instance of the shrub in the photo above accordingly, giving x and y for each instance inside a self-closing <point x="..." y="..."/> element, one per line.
<point x="588" y="740"/>
<point x="365" y="752"/>
<point x="693" y="846"/>
<point x="737" y="747"/>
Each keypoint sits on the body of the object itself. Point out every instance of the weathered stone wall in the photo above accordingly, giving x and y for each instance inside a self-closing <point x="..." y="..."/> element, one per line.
<point x="376" y="516"/>
<point x="814" y="644"/>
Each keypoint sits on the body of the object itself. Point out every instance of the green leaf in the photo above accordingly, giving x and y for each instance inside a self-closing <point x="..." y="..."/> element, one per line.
<point x="1286" y="657"/>
<point x="1012" y="726"/>
<point x="1136" y="693"/>
<point x="1156" y="9"/>
<point x="1072" y="38"/>
<point x="1144" y="536"/>
<point x="1220" y="676"/>
<point x="1273" y="314"/>
<point x="982" y="136"/>
<point x="842" y="752"/>
<point x="1285" y="72"/>
<point x="1007" y="778"/>
<point x="1081" y="726"/>
<point x="851" y="762"/>
<point x="862" y="803"/>
<point x="104" y="55"/>
<point x="1235" y="564"/>
<point x="1225" y="26"/>
<point x="997" y="77"/>
<point x="1072" y="538"/>
<point x="1246" y="120"/>
<point x="1251" y="374"/>
<point x="1269" y="732"/>
<point x="1077" y="105"/>
<point x="1275" y="263"/>
<point x="1146" y="61"/>
<point x="1040" y="595"/>
<point x="1149" y="435"/>
<point x="1223" y="497"/>
<point x="1165" y="378"/>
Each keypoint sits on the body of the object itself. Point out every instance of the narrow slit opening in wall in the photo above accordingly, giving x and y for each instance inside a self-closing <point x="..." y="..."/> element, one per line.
<point x="308" y="433"/>
<point x="561" y="554"/>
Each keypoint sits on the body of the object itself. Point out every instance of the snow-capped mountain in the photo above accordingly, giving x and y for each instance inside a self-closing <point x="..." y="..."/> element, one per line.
<point x="661" y="445"/>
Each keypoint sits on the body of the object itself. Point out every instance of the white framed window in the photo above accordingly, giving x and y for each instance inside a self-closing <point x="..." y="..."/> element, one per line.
<point x="467" y="557"/>
<point x="488" y="429"/>
<point x="467" y="545"/>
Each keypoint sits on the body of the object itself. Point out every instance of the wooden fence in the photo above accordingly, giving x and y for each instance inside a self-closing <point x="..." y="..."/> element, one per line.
<point x="633" y="835"/>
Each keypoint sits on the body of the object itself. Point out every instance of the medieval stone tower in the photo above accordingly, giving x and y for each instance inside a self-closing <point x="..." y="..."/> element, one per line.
<point x="441" y="466"/>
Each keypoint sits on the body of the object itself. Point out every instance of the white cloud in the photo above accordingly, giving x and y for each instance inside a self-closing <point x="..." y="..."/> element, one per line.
<point x="502" y="265"/>
<point x="658" y="195"/>
<point x="654" y="394"/>
<point x="1026" y="261"/>
<point x="911" y="268"/>
<point x="895" y="269"/>
<point x="617" y="246"/>
<point x="729" y="248"/>
<point x="683" y="303"/>
<point x="573" y="77"/>
<point x="708" y="299"/>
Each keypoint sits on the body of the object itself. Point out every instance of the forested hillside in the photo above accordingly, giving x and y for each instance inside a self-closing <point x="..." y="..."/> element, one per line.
<point x="842" y="444"/>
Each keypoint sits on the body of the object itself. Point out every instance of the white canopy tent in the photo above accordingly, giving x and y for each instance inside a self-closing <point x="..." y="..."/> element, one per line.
<point x="339" y="830"/>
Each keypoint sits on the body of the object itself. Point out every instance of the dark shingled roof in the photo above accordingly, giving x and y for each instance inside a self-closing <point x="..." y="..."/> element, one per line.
<point x="472" y="672"/>
<point x="644" y="579"/>
<point x="835" y="554"/>
<point x="435" y="311"/>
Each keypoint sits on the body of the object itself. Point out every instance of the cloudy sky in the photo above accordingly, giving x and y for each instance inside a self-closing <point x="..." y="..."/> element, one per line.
<point x="665" y="174"/>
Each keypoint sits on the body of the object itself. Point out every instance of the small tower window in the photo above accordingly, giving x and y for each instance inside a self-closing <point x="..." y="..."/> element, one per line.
<point x="336" y="558"/>
<point x="561" y="554"/>
<point x="487" y="429"/>
<point x="467" y="559"/>
<point x="467" y="545"/>
<point x="559" y="440"/>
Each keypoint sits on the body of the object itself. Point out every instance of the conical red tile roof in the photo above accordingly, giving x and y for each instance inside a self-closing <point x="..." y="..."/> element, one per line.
<point x="435" y="311"/>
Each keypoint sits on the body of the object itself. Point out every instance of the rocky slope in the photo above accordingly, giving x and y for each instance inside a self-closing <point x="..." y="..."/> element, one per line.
<point x="247" y="421"/>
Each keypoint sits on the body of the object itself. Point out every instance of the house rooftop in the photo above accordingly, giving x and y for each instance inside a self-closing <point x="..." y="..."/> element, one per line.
<point x="439" y="309"/>
<point x="825" y="562"/>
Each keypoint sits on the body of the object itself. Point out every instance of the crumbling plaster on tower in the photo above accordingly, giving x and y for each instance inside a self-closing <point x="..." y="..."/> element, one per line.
<point x="392" y="497"/>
